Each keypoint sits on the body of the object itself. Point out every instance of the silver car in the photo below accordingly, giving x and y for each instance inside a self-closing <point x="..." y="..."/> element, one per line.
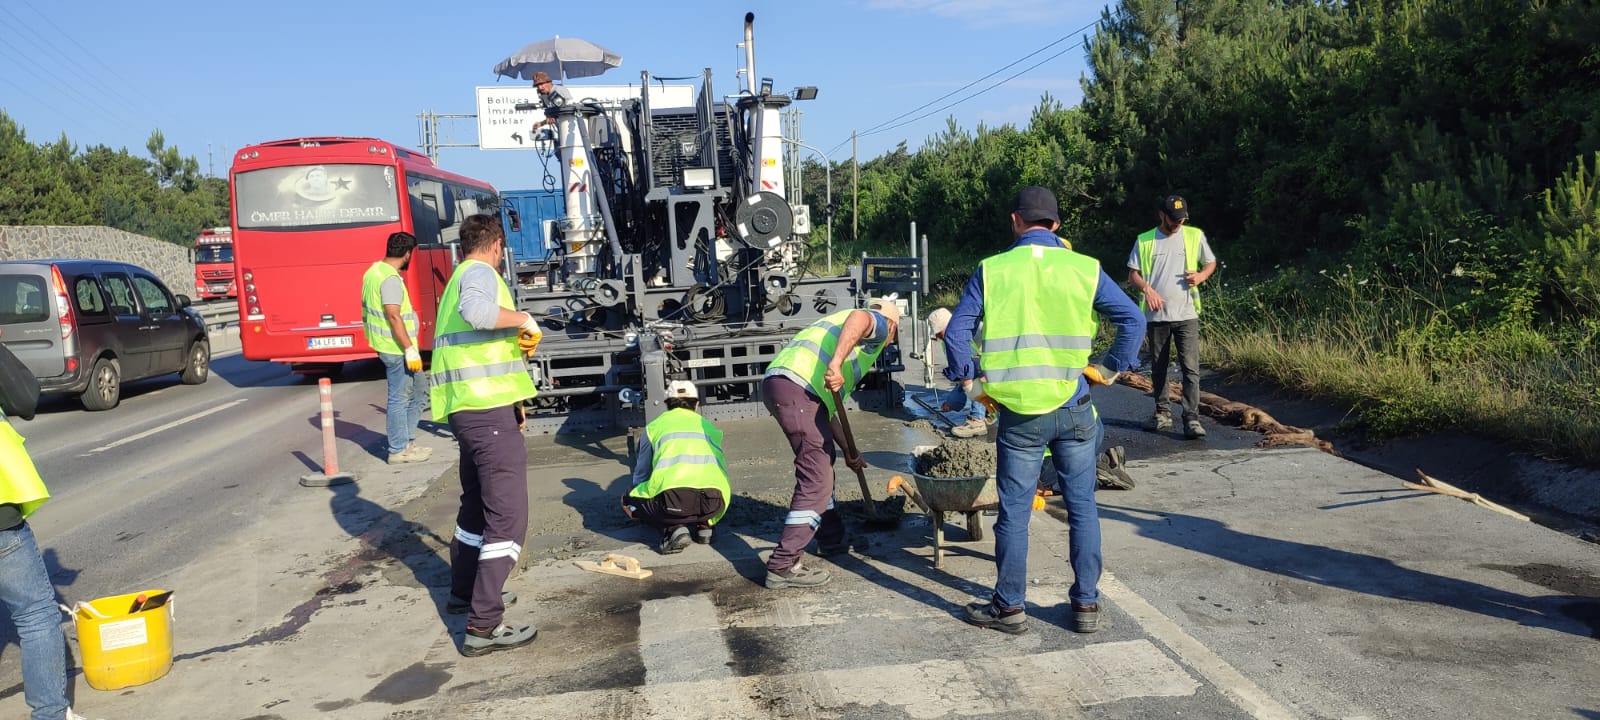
<point x="85" y="327"/>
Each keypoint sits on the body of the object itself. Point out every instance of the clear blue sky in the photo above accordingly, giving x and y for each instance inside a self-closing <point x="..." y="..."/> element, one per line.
<point x="230" y="74"/>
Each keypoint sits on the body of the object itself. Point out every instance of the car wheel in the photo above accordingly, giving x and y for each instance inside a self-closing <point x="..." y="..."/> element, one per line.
<point x="105" y="385"/>
<point x="198" y="367"/>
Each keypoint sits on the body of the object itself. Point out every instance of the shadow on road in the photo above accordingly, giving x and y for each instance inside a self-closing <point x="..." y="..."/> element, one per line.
<point x="1355" y="572"/>
<point x="370" y="441"/>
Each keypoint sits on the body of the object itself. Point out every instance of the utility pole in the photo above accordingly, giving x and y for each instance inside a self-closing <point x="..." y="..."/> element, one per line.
<point x="855" y="196"/>
<point x="211" y="166"/>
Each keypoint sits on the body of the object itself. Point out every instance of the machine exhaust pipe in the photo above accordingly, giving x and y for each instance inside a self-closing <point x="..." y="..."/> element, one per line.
<point x="750" y="52"/>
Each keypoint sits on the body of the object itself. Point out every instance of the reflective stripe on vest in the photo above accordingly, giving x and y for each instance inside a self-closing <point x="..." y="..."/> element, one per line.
<point x="1191" y="260"/>
<point x="376" y="324"/>
<point x="688" y="454"/>
<point x="808" y="355"/>
<point x="1038" y="325"/>
<point x="19" y="479"/>
<point x="475" y="369"/>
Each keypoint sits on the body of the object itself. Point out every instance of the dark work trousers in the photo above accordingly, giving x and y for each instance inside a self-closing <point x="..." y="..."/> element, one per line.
<point x="493" y="519"/>
<point x="1186" y="335"/>
<point x="678" y="507"/>
<point x="804" y="420"/>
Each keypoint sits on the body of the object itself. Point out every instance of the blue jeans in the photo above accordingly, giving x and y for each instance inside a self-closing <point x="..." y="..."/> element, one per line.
<point x="26" y="590"/>
<point x="408" y="392"/>
<point x="1072" y="433"/>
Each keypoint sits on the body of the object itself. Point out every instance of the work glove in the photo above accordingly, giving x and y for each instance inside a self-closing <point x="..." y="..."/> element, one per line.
<point x="413" y="359"/>
<point x="528" y="336"/>
<point x="1100" y="375"/>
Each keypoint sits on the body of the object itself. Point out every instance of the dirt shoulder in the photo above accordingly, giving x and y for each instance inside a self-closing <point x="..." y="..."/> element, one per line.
<point x="1555" y="494"/>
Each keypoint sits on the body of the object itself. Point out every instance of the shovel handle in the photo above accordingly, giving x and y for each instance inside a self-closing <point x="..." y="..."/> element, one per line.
<point x="852" y="453"/>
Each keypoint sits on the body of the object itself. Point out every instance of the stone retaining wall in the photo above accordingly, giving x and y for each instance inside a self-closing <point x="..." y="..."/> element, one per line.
<point x="172" y="263"/>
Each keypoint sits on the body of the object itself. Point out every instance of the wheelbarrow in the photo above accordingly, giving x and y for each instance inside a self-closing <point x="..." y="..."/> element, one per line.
<point x="939" y="496"/>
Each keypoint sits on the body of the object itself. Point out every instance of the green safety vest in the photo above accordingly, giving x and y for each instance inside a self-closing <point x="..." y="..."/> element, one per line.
<point x="1191" y="259"/>
<point x="809" y="353"/>
<point x="1038" y="325"/>
<point x="688" y="454"/>
<point x="19" y="479"/>
<point x="379" y="335"/>
<point x="475" y="369"/>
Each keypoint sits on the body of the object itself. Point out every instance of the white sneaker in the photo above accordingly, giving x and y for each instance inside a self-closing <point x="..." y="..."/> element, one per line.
<point x="972" y="428"/>
<point x="408" y="455"/>
<point x="74" y="716"/>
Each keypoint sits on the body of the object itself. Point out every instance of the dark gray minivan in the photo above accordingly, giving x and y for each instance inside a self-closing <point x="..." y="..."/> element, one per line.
<point x="84" y="327"/>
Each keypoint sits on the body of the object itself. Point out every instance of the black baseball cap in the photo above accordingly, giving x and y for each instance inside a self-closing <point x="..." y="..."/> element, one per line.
<point x="1035" y="203"/>
<point x="1175" y="207"/>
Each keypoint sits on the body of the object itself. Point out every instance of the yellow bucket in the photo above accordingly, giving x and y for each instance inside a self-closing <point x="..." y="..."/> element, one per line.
<point x="124" y="641"/>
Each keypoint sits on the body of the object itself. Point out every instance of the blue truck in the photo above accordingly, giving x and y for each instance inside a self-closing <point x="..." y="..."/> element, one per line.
<point x="525" y="226"/>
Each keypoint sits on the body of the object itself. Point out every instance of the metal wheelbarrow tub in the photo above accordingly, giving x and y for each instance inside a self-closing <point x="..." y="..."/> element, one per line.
<point x="940" y="496"/>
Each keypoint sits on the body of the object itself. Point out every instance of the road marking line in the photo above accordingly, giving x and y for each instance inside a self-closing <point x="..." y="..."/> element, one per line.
<point x="168" y="426"/>
<point x="684" y="655"/>
<point x="1229" y="681"/>
<point x="1083" y="677"/>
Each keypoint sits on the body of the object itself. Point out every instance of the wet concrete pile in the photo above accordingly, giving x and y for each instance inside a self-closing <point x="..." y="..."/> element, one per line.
<point x="958" y="458"/>
<point x="1240" y="415"/>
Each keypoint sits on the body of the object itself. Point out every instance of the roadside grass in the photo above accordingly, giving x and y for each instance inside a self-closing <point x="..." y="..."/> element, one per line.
<point x="1405" y="367"/>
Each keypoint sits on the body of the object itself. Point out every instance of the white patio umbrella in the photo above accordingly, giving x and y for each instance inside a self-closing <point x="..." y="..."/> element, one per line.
<point x="560" y="57"/>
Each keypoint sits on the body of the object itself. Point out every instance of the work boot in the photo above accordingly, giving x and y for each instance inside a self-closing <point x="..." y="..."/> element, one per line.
<point x="1085" y="618"/>
<point x="408" y="455"/>
<point x="425" y="452"/>
<point x="1108" y="470"/>
<point x="1159" y="422"/>
<point x="702" y="534"/>
<point x="457" y="606"/>
<point x="987" y="615"/>
<point x="675" y="540"/>
<point x="501" y="637"/>
<point x="1193" y="430"/>
<point x="833" y="549"/>
<point x="797" y="576"/>
<point x="972" y="428"/>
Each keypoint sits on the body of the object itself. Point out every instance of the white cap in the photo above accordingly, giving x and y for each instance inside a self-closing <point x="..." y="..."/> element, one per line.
<point x="938" y="320"/>
<point x="888" y="307"/>
<point x="682" y="389"/>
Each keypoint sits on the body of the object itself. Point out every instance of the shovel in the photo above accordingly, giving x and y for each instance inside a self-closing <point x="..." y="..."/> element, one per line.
<point x="852" y="455"/>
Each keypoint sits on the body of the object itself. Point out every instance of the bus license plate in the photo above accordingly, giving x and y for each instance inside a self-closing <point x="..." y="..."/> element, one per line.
<point x="335" y="341"/>
<point x="219" y="288"/>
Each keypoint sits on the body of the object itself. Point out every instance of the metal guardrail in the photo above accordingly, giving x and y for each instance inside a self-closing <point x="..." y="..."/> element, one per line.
<point x="218" y="313"/>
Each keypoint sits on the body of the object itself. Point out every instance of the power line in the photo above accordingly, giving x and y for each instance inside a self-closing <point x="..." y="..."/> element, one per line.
<point x="880" y="127"/>
<point x="980" y="92"/>
<point x="68" y="117"/>
<point x="63" y="83"/>
<point x="93" y="76"/>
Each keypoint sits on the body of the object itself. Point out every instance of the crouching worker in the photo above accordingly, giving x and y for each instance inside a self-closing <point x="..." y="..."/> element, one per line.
<point x="680" y="478"/>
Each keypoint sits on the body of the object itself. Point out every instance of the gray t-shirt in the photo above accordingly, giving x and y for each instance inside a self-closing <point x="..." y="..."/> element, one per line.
<point x="480" y="296"/>
<point x="1167" y="270"/>
<point x="392" y="291"/>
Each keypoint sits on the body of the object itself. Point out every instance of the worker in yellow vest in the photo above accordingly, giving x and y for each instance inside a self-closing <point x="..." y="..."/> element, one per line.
<point x="680" y="477"/>
<point x="1038" y="303"/>
<point x="1167" y="265"/>
<point x="833" y="353"/>
<point x="480" y="377"/>
<point x="391" y="329"/>
<point x="25" y="586"/>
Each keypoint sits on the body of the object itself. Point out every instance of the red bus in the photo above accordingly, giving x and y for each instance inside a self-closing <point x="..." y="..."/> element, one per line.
<point x="213" y="264"/>
<point x="310" y="215"/>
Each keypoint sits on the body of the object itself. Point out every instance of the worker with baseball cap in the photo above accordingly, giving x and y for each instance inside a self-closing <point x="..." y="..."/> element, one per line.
<point x="976" y="414"/>
<point x="1167" y="265"/>
<point x="680" y="477"/>
<point x="551" y="96"/>
<point x="1039" y="302"/>
<point x="832" y="354"/>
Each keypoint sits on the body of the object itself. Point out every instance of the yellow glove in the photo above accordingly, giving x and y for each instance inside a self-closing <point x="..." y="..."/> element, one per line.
<point x="413" y="359"/>
<point x="529" y="335"/>
<point x="1100" y="375"/>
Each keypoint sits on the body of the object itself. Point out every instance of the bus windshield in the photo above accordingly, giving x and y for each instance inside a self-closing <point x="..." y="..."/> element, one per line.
<point x="311" y="196"/>
<point x="213" y="254"/>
